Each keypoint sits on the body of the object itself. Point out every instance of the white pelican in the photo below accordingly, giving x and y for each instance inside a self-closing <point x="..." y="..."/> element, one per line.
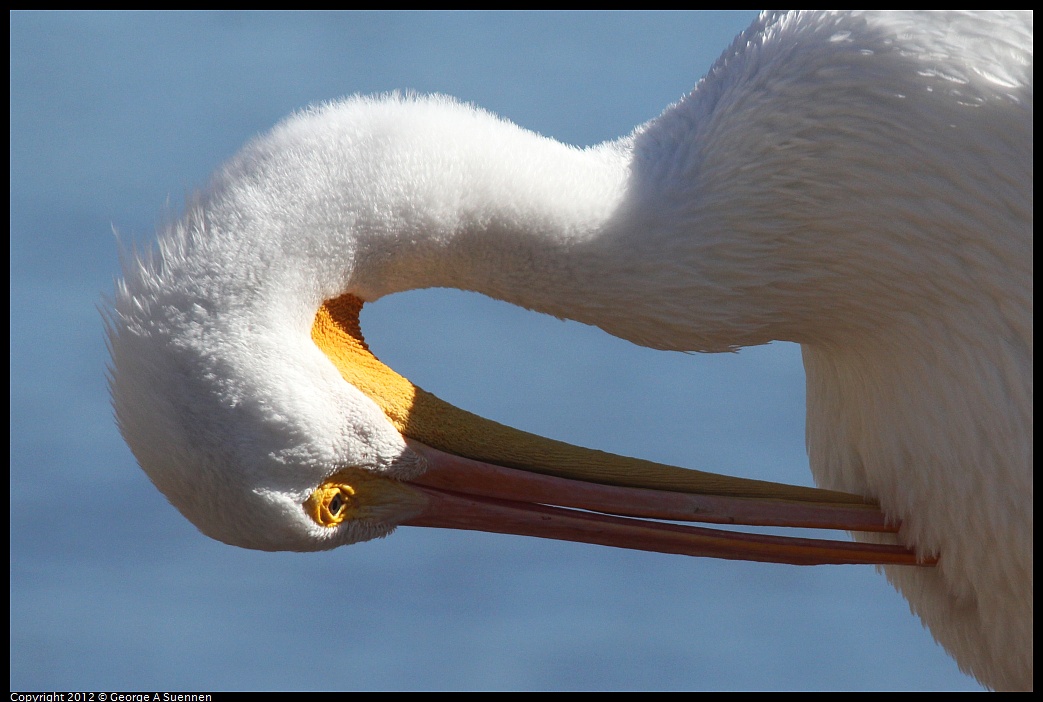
<point x="858" y="183"/>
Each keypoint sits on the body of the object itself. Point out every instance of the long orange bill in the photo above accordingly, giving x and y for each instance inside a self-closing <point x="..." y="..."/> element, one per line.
<point x="489" y="477"/>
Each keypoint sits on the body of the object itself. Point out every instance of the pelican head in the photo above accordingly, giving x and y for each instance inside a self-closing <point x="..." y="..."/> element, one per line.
<point x="858" y="183"/>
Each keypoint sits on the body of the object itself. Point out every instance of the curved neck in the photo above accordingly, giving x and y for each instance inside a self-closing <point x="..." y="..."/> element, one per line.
<point x="372" y="197"/>
<point x="515" y="219"/>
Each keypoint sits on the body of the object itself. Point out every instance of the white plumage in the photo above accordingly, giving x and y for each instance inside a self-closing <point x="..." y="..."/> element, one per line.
<point x="858" y="183"/>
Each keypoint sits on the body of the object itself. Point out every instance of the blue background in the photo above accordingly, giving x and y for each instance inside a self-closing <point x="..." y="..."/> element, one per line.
<point x="115" y="117"/>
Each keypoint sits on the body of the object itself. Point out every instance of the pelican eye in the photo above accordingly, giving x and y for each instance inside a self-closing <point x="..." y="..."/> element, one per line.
<point x="330" y="504"/>
<point x="357" y="494"/>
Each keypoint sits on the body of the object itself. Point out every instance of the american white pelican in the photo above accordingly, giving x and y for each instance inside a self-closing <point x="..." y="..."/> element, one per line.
<point x="858" y="183"/>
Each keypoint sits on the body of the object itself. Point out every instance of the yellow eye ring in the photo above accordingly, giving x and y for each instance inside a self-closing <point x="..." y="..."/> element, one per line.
<point x="329" y="505"/>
